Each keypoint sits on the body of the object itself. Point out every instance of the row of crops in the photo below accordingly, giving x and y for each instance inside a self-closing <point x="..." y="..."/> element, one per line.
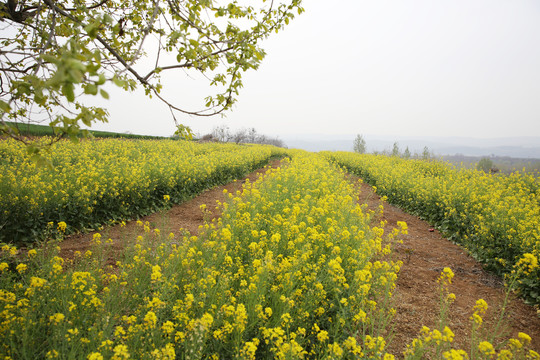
<point x="293" y="269"/>
<point x="497" y="218"/>
<point x="96" y="182"/>
<point x="45" y="130"/>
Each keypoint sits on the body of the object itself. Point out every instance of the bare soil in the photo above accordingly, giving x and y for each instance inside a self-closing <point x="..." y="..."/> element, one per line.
<point x="424" y="254"/>
<point x="187" y="216"/>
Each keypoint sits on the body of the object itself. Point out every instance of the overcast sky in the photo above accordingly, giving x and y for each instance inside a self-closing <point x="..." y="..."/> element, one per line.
<point x="396" y="68"/>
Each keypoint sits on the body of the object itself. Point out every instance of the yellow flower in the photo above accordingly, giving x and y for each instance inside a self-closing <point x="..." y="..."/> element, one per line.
<point x="35" y="283"/>
<point x="7" y="296"/>
<point x="337" y="350"/>
<point x="168" y="327"/>
<point x="481" y="306"/>
<point x="166" y="353"/>
<point x="21" y="268"/>
<point x="448" y="334"/>
<point x="95" y="356"/>
<point x="455" y="355"/>
<point x="150" y="320"/>
<point x="57" y="318"/>
<point x="120" y="352"/>
<point x="476" y="318"/>
<point x="96" y="239"/>
<point x="3" y="266"/>
<point x="486" y="348"/>
<point x="505" y="354"/>
<point x="515" y="344"/>
<point x="156" y="273"/>
<point x="446" y="276"/>
<point x="52" y="354"/>
<point x="403" y="226"/>
<point x="528" y="262"/>
<point x="62" y="226"/>
<point x="119" y="331"/>
<point x="526" y="339"/>
<point x="250" y="348"/>
<point x="322" y="335"/>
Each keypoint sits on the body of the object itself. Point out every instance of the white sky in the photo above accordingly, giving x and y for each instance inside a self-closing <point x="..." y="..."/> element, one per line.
<point x="389" y="67"/>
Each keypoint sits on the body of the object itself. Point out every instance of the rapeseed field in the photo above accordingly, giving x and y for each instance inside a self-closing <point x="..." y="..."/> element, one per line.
<point x="497" y="218"/>
<point x="104" y="181"/>
<point x="295" y="268"/>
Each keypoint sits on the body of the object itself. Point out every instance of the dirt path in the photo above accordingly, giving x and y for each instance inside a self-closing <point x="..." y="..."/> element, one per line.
<point x="423" y="253"/>
<point x="186" y="216"/>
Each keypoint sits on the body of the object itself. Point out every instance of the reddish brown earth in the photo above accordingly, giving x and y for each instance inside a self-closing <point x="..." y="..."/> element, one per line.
<point x="424" y="255"/>
<point x="186" y="216"/>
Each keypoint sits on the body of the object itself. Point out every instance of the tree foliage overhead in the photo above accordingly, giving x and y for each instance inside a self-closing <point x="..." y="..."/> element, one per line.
<point x="54" y="51"/>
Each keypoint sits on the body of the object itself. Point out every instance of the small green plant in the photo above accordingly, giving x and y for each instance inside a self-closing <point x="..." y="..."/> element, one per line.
<point x="359" y="144"/>
<point x="485" y="165"/>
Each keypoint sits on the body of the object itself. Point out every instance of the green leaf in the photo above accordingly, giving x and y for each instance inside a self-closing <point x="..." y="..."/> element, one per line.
<point x="107" y="19"/>
<point x="101" y="79"/>
<point x="38" y="96"/>
<point x="118" y="82"/>
<point x="104" y="94"/>
<point x="50" y="59"/>
<point x="91" y="89"/>
<point x="92" y="29"/>
<point x="4" y="106"/>
<point x="69" y="92"/>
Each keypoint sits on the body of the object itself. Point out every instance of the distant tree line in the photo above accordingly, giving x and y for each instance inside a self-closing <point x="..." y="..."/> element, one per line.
<point x="359" y="146"/>
<point x="242" y="136"/>
<point x="492" y="164"/>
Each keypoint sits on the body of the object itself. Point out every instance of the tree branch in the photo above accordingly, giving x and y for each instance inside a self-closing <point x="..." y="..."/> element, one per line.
<point x="185" y="65"/>
<point x="91" y="7"/>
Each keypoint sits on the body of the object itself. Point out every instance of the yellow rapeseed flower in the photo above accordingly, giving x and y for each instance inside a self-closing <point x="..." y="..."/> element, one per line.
<point x="57" y="318"/>
<point x="62" y="226"/>
<point x="21" y="268"/>
<point x="486" y="348"/>
<point x="95" y="356"/>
